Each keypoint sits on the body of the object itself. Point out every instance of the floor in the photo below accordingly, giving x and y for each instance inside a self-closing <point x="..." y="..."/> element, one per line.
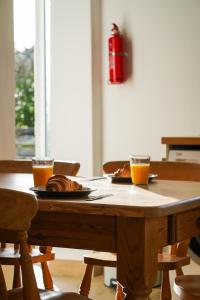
<point x="98" y="290"/>
<point x="67" y="276"/>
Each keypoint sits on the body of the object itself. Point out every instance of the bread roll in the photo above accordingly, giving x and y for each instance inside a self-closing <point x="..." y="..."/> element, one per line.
<point x="61" y="183"/>
<point x="124" y="171"/>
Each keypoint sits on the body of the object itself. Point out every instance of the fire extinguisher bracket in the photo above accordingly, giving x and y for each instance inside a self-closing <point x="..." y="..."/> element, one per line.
<point x="118" y="53"/>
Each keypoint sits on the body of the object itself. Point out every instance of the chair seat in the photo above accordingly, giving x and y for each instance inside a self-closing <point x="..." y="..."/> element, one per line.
<point x="172" y="262"/>
<point x="165" y="261"/>
<point x="10" y="256"/>
<point x="105" y="259"/>
<point x="16" y="294"/>
<point x="187" y="287"/>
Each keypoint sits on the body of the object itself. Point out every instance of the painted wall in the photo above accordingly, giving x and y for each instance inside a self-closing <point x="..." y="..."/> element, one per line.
<point x="161" y="96"/>
<point x="92" y="121"/>
<point x="71" y="100"/>
<point x="7" y="82"/>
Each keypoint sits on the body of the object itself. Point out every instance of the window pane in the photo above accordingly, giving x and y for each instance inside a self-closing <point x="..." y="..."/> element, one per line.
<point x="24" y="38"/>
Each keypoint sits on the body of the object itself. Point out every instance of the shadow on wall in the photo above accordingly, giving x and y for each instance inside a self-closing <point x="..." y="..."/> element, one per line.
<point x="129" y="59"/>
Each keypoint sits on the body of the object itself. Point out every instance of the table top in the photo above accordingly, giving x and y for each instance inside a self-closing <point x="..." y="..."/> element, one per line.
<point x="161" y="197"/>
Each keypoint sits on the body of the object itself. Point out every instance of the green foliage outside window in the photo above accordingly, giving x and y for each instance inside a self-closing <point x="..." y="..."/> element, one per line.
<point x="24" y="94"/>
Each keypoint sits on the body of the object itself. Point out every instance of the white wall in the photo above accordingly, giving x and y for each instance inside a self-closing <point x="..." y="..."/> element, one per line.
<point x="7" y="83"/>
<point x="161" y="96"/>
<point x="71" y="100"/>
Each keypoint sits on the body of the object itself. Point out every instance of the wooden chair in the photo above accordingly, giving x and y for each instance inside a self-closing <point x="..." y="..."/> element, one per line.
<point x="177" y="257"/>
<point x="187" y="287"/>
<point x="70" y="168"/>
<point x="17" y="210"/>
<point x="166" y="170"/>
<point x="10" y="255"/>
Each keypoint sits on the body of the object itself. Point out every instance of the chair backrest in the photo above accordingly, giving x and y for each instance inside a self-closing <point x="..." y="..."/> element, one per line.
<point x="17" y="210"/>
<point x="112" y="166"/>
<point x="25" y="166"/>
<point x="166" y="170"/>
<point x="172" y="170"/>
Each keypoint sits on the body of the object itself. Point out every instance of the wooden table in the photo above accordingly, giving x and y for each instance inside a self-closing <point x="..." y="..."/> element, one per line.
<point x="134" y="222"/>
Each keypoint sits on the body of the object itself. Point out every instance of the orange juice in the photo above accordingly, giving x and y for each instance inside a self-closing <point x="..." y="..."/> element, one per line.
<point x="140" y="173"/>
<point x="41" y="174"/>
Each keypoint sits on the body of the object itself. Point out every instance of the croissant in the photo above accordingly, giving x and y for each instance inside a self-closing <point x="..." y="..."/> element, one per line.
<point x="124" y="171"/>
<point x="61" y="183"/>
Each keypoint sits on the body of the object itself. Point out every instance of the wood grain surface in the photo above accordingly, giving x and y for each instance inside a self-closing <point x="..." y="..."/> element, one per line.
<point x="133" y="222"/>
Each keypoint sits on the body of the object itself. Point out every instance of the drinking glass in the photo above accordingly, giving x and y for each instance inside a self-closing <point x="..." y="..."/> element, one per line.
<point x="42" y="169"/>
<point x="139" y="165"/>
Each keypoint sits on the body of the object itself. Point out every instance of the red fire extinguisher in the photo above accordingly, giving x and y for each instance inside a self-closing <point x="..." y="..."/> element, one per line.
<point x="116" y="56"/>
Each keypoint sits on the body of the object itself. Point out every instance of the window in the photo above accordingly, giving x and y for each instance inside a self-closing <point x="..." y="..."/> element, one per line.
<point x="24" y="40"/>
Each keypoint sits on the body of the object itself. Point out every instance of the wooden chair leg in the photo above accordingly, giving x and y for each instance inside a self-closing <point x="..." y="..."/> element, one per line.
<point x="165" y="287"/>
<point x="3" y="289"/>
<point x="179" y="272"/>
<point x="30" y="290"/>
<point x="119" y="292"/>
<point x="47" y="279"/>
<point x="17" y="277"/>
<point x="86" y="282"/>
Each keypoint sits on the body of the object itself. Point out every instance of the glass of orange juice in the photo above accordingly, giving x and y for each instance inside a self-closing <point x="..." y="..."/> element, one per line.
<point x="42" y="169"/>
<point x="139" y="165"/>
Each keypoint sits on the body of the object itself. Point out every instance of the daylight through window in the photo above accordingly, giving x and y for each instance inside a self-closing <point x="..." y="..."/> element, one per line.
<point x="24" y="38"/>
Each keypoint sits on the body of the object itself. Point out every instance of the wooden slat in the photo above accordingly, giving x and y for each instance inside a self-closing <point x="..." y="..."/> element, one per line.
<point x="25" y="166"/>
<point x="180" y="140"/>
<point x="166" y="170"/>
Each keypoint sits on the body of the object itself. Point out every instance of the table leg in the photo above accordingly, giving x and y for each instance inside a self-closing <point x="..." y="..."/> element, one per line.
<point x="138" y="241"/>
